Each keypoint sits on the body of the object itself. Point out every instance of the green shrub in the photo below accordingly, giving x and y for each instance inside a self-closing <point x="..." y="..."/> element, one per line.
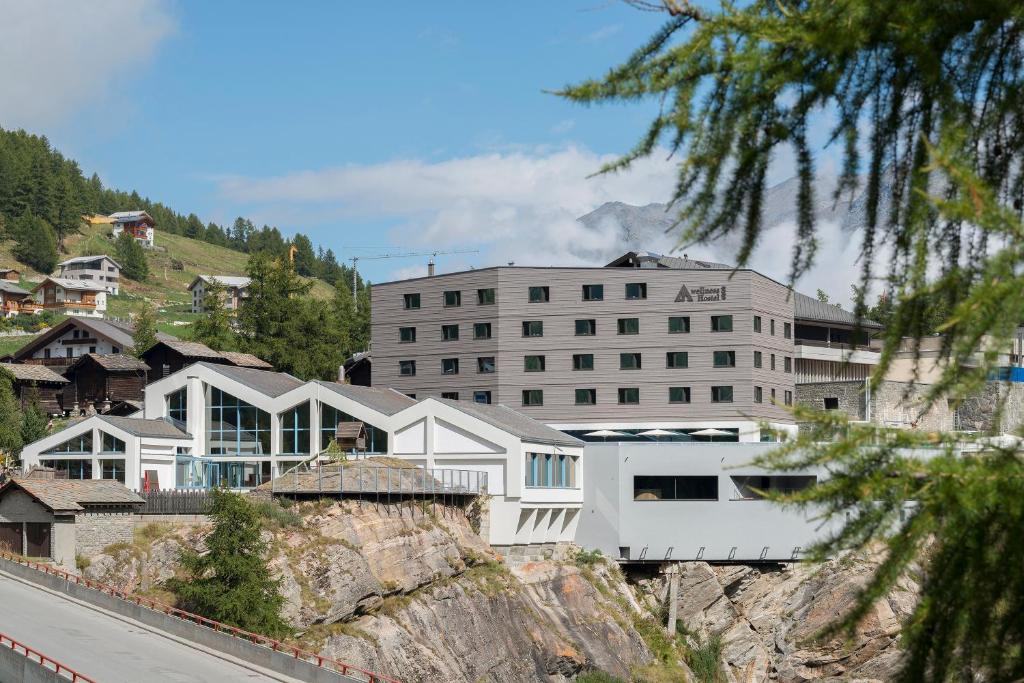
<point x="82" y="562"/>
<point x="597" y="676"/>
<point x="276" y="515"/>
<point x="704" y="658"/>
<point x="587" y="558"/>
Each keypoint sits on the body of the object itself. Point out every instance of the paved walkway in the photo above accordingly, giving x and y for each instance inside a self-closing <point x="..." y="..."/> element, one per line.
<point x="103" y="647"/>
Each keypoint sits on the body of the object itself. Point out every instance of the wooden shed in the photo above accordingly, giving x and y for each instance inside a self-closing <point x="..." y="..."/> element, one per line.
<point x="351" y="436"/>
<point x="104" y="381"/>
<point x="48" y="384"/>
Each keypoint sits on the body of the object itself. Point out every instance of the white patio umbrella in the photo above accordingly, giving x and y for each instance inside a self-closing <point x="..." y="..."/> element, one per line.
<point x="712" y="432"/>
<point x="657" y="432"/>
<point x="605" y="433"/>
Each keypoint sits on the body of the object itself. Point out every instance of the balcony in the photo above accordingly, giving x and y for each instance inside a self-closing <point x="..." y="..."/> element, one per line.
<point x="840" y="352"/>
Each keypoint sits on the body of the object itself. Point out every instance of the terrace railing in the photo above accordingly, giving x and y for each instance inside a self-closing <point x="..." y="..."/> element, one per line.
<point x="365" y="477"/>
<point x="176" y="502"/>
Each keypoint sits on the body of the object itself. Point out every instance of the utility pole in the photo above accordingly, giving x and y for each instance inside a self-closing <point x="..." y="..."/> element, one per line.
<point x="432" y="254"/>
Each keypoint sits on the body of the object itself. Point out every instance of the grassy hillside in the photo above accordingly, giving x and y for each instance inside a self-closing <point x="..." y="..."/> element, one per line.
<point x="165" y="287"/>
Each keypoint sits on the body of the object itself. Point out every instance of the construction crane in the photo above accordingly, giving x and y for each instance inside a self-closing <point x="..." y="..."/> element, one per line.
<point x="430" y="265"/>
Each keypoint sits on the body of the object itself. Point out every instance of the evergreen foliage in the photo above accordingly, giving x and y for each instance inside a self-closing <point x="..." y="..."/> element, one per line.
<point x="10" y="421"/>
<point x="132" y="257"/>
<point x="930" y="95"/>
<point x="33" y="419"/>
<point x="145" y="331"/>
<point x="35" y="243"/>
<point x="231" y="583"/>
<point x="214" y="327"/>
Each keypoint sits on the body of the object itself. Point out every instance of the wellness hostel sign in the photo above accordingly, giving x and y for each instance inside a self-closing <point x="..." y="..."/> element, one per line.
<point x="701" y="294"/>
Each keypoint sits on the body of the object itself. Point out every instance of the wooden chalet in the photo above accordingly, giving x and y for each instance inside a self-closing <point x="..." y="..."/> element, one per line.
<point x="14" y="300"/>
<point x="168" y="356"/>
<point x="65" y="342"/>
<point x="48" y="384"/>
<point x="102" y="381"/>
<point x="10" y="274"/>
<point x="358" y="369"/>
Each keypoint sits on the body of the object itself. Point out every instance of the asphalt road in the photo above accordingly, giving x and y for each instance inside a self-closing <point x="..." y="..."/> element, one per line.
<point x="105" y="648"/>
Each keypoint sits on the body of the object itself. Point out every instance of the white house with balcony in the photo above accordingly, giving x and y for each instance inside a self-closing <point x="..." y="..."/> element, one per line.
<point x="71" y="297"/>
<point x="102" y="271"/>
<point x="218" y="425"/>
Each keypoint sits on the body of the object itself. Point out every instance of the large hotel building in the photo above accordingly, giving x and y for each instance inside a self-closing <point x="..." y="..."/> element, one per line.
<point x="647" y="342"/>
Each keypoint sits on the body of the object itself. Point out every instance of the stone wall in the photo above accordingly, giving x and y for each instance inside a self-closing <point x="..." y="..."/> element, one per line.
<point x="849" y="393"/>
<point x="94" y="531"/>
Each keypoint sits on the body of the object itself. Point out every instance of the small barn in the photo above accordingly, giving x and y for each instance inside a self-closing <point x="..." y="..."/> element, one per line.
<point x="105" y="380"/>
<point x="168" y="356"/>
<point x="48" y="385"/>
<point x="58" y="519"/>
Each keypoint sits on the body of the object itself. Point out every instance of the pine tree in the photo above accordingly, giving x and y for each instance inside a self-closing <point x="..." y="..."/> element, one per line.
<point x="305" y="257"/>
<point x="231" y="583"/>
<point x="214" y="327"/>
<point x="68" y="213"/>
<point x="36" y="244"/>
<point x="132" y="257"/>
<point x="10" y="422"/>
<point x="33" y="419"/>
<point x="145" y="331"/>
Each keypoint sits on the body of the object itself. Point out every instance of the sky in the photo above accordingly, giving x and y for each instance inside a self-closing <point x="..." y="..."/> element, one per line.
<point x="373" y="128"/>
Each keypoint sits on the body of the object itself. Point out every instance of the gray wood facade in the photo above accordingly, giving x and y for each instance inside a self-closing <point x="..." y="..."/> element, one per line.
<point x="747" y="294"/>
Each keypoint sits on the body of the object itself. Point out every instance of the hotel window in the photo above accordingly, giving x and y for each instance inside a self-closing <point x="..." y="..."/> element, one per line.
<point x="677" y="359"/>
<point x="586" y="397"/>
<point x="721" y="323"/>
<point x="411" y="301"/>
<point x="75" y="469"/>
<point x="773" y="394"/>
<point x="629" y="325"/>
<point x="550" y="470"/>
<point x="629" y="361"/>
<point x="533" y="363"/>
<point x="787" y="330"/>
<point x="485" y="365"/>
<point x="533" y="328"/>
<point x="757" y="359"/>
<point x="452" y="299"/>
<point x="177" y="405"/>
<point x="533" y="397"/>
<point x="629" y="395"/>
<point x="787" y="364"/>
<point x="721" y="394"/>
<point x="789" y="398"/>
<point x="482" y="397"/>
<point x="449" y="332"/>
<point x="295" y="430"/>
<point x="757" y="323"/>
<point x="593" y="292"/>
<point x="583" y="361"/>
<point x="758" y="395"/>
<point x="773" y="361"/>
<point x="772" y="326"/>
<point x="407" y="368"/>
<point x="678" y="324"/>
<point x="831" y="403"/>
<point x="481" y="330"/>
<point x="406" y="334"/>
<point x="540" y="295"/>
<point x="79" y="444"/>
<point x="450" y="395"/>
<point x="485" y="297"/>
<point x="668" y="487"/>
<point x="331" y="417"/>
<point x="756" y="486"/>
<point x="113" y="469"/>
<point x="725" y="359"/>
<point x="449" y="366"/>
<point x="234" y="427"/>
<point x="586" y="328"/>
<point x="636" y="290"/>
<point x="679" y="394"/>
<point x="111" y="444"/>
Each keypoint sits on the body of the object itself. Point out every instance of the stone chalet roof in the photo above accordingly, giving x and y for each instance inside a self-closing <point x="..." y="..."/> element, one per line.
<point x="192" y="349"/>
<point x="11" y="288"/>
<point x="33" y="373"/>
<point x="87" y="259"/>
<point x="125" y="216"/>
<point x="83" y="285"/>
<point x="73" y="495"/>
<point x="115" y="362"/>
<point x="386" y="401"/>
<point x="661" y="261"/>
<point x="266" y="382"/>
<point x="810" y="309"/>
<point x="513" y="422"/>
<point x="246" y="360"/>
<point x="224" y="280"/>
<point x="158" y="428"/>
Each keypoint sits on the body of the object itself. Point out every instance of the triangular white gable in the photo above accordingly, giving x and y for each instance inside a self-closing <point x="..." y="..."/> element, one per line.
<point x="451" y="439"/>
<point x="411" y="439"/>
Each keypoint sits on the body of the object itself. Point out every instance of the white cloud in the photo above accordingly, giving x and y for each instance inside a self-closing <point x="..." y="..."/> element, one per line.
<point x="61" y="57"/>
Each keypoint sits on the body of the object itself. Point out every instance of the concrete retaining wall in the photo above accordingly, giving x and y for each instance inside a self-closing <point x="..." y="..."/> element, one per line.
<point x="257" y="655"/>
<point x="15" y="666"/>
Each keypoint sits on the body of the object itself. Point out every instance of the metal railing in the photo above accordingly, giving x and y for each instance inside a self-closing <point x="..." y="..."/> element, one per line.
<point x="44" y="661"/>
<point x="361" y="479"/>
<point x="176" y="502"/>
<point x="254" y="638"/>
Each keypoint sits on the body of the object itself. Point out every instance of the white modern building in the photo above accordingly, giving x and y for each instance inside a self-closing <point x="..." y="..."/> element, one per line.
<point x="102" y="271"/>
<point x="210" y="424"/>
<point x="236" y="290"/>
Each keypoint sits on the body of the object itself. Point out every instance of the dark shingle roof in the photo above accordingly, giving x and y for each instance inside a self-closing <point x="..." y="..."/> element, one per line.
<point x="141" y="427"/>
<point x="810" y="309"/>
<point x="192" y="349"/>
<point x="12" y="288"/>
<point x="387" y="401"/>
<point x="33" y="373"/>
<point x="120" y="334"/>
<point x="246" y="360"/>
<point x="264" y="381"/>
<point x="116" y="362"/>
<point x="64" y="495"/>
<point x="514" y="422"/>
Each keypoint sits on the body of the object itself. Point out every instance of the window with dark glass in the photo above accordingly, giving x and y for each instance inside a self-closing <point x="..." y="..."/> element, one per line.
<point x="533" y="397"/>
<point x="629" y="325"/>
<point x="583" y="361"/>
<point x="449" y="332"/>
<point x="787" y="364"/>
<point x="757" y="323"/>
<point x="789" y="398"/>
<point x="629" y="361"/>
<point x="485" y="365"/>
<point x="407" y="334"/>
<point x="721" y="323"/>
<point x="754" y="487"/>
<point x="757" y="359"/>
<point x="831" y="403"/>
<point x="177" y="405"/>
<point x="485" y="297"/>
<point x="70" y="469"/>
<point x="586" y="397"/>
<point x="449" y="366"/>
<point x="672" y="487"/>
<point x="787" y="330"/>
<point x="533" y="328"/>
<point x="407" y="368"/>
<point x="772" y="358"/>
<point x="679" y="394"/>
<point x="586" y="328"/>
<point x="721" y="394"/>
<point x="629" y="395"/>
<point x="533" y="363"/>
<point x="331" y="417"/>
<point x="771" y="325"/>
<point x="678" y="324"/>
<point x="111" y="444"/>
<point x="450" y="395"/>
<point x="758" y="395"/>
<point x="725" y="359"/>
<point x="482" y="397"/>
<point x="452" y="298"/>
<point x="773" y="394"/>
<point x="481" y="330"/>
<point x="677" y="359"/>
<point x="593" y="292"/>
<point x="540" y="295"/>
<point x="411" y="301"/>
<point x="234" y="427"/>
<point x="295" y="430"/>
<point x="112" y="469"/>
<point x="636" y="290"/>
<point x="79" y="444"/>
